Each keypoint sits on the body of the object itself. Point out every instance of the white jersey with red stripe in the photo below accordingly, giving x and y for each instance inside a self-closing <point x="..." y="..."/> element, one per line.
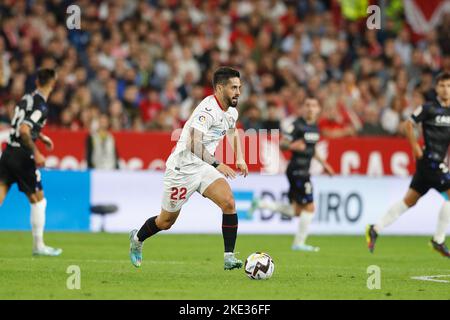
<point x="209" y="118"/>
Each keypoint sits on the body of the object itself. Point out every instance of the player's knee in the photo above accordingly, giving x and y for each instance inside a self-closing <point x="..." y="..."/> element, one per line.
<point x="228" y="204"/>
<point x="310" y="208"/>
<point x="410" y="202"/>
<point x="165" y="226"/>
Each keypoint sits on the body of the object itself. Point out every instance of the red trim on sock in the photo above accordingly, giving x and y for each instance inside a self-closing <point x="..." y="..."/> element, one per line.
<point x="233" y="226"/>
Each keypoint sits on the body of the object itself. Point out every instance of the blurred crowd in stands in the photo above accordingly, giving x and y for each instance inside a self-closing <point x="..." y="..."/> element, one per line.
<point x="147" y="64"/>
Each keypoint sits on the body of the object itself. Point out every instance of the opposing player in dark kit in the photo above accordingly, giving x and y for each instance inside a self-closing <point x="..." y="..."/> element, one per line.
<point x="301" y="139"/>
<point x="431" y="171"/>
<point x="20" y="161"/>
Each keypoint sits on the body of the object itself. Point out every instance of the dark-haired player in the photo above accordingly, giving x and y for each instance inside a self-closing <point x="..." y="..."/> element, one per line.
<point x="21" y="158"/>
<point x="192" y="167"/>
<point x="301" y="139"/>
<point x="431" y="171"/>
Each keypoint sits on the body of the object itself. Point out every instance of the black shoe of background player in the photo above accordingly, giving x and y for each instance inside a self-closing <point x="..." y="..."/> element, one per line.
<point x="441" y="248"/>
<point x="371" y="237"/>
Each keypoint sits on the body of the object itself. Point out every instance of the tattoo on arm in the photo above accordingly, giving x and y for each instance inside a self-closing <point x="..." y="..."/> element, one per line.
<point x="235" y="143"/>
<point x="196" y="146"/>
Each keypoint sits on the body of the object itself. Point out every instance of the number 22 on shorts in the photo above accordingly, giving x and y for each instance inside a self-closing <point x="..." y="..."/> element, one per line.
<point x="178" y="193"/>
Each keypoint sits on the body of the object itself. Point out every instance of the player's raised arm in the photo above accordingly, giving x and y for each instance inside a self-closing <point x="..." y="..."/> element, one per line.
<point x="235" y="142"/>
<point x="197" y="148"/>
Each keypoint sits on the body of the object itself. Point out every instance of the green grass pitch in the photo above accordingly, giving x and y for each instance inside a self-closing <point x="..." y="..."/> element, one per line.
<point x="191" y="267"/>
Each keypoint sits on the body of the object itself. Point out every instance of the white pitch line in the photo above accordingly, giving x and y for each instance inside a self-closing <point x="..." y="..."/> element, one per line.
<point x="433" y="278"/>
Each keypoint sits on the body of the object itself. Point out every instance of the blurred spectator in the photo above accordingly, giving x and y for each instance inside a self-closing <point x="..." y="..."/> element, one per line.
<point x="97" y="86"/>
<point x="170" y="93"/>
<point x="147" y="64"/>
<point x="273" y="118"/>
<point x="392" y="116"/>
<point x="251" y="119"/>
<point x="335" y="122"/>
<point x="192" y="101"/>
<point x="403" y="46"/>
<point x="166" y="120"/>
<point x="444" y="34"/>
<point x="119" y="119"/>
<point x="101" y="151"/>
<point x="130" y="102"/>
<point x="150" y="106"/>
<point x="371" y="123"/>
<point x="6" y="111"/>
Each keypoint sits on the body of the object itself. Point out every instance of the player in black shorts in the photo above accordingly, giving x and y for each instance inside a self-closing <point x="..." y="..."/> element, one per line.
<point x="431" y="171"/>
<point x="21" y="158"/>
<point x="301" y="139"/>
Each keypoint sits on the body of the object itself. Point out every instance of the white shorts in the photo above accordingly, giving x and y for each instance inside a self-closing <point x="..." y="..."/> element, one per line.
<point x="179" y="185"/>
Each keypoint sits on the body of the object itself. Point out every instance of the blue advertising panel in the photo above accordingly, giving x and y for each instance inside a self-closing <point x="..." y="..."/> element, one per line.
<point x="68" y="203"/>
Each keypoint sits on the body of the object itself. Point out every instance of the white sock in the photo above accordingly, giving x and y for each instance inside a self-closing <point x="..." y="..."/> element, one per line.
<point x="283" y="208"/>
<point x="303" y="226"/>
<point x="443" y="222"/>
<point x="37" y="223"/>
<point x="393" y="213"/>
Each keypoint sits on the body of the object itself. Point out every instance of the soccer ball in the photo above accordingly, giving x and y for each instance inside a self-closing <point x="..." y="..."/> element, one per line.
<point x="259" y="266"/>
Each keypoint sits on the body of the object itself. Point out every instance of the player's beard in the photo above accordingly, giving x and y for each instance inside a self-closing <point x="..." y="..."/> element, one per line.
<point x="234" y="102"/>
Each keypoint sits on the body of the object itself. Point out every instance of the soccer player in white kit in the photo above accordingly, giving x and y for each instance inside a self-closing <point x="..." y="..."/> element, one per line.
<point x="192" y="167"/>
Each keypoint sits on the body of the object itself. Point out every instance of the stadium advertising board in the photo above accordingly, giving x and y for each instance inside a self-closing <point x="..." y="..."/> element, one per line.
<point x="344" y="204"/>
<point x="68" y="193"/>
<point x="141" y="151"/>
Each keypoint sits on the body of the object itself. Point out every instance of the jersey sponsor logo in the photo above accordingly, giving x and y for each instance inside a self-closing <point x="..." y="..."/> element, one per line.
<point x="218" y="132"/>
<point x="312" y="136"/>
<point x="445" y="120"/>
